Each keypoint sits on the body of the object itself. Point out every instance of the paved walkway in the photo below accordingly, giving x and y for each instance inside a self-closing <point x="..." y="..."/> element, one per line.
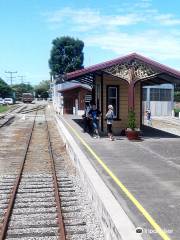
<point x="149" y="169"/>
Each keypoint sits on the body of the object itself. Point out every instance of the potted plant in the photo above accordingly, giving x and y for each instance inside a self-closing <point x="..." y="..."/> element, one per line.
<point x="132" y="132"/>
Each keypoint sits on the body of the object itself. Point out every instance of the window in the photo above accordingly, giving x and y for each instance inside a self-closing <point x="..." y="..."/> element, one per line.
<point x="165" y="94"/>
<point x="144" y="94"/>
<point x="154" y="94"/>
<point x="157" y="94"/>
<point x="113" y="99"/>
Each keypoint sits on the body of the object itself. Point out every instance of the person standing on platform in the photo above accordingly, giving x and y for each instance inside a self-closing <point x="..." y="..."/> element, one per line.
<point x="109" y="121"/>
<point x="86" y="119"/>
<point x="148" y="116"/>
<point x="94" y="114"/>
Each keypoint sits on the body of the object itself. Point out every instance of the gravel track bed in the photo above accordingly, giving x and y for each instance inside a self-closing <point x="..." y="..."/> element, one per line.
<point x="80" y="220"/>
<point x="34" y="215"/>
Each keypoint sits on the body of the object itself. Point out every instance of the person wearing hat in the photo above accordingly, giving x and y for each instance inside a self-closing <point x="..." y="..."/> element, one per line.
<point x="109" y="121"/>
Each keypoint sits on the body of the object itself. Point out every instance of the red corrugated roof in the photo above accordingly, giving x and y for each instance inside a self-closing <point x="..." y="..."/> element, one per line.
<point x="101" y="66"/>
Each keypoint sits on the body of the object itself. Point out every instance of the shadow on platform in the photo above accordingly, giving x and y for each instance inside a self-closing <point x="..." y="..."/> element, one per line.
<point x="150" y="132"/>
<point x="146" y="131"/>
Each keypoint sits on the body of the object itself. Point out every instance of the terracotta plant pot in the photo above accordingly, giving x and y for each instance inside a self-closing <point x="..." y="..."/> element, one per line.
<point x="132" y="135"/>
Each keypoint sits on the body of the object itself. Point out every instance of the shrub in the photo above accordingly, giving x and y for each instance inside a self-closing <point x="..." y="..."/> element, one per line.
<point x="131" y="119"/>
<point x="176" y="112"/>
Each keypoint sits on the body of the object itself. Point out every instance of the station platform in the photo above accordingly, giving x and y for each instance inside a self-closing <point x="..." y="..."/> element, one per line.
<point x="148" y="169"/>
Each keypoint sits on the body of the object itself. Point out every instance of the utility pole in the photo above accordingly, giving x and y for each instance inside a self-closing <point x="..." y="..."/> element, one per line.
<point x="11" y="75"/>
<point x="21" y="78"/>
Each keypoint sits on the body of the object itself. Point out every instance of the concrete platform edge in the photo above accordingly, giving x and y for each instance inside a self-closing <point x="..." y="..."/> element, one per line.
<point x="115" y="223"/>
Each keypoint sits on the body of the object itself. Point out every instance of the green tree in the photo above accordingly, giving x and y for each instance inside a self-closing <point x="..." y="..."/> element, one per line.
<point x="42" y="89"/>
<point x="66" y="55"/>
<point x="21" y="88"/>
<point x="5" y="89"/>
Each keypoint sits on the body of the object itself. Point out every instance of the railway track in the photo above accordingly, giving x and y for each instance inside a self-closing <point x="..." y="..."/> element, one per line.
<point x="17" y="108"/>
<point x="9" y="116"/>
<point x="6" y="121"/>
<point x="41" y="200"/>
<point x="40" y="107"/>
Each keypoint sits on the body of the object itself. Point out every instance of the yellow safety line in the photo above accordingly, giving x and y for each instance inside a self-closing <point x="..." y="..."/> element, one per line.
<point x="123" y="188"/>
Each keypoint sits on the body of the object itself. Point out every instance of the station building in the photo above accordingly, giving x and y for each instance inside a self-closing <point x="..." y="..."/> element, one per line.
<point x="74" y="98"/>
<point x="120" y="82"/>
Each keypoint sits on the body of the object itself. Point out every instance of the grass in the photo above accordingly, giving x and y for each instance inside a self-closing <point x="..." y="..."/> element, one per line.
<point x="4" y="108"/>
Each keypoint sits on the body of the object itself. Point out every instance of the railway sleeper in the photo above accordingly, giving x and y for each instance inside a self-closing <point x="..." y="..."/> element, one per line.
<point x="34" y="211"/>
<point x="35" y="195"/>
<point x="38" y="190"/>
<point x="69" y="204"/>
<point x="68" y="199"/>
<point x="71" y="209"/>
<point x="35" y="205"/>
<point x="78" y="229"/>
<point x="66" y="190"/>
<point x="72" y="215"/>
<point x="77" y="237"/>
<point x="37" y="199"/>
<point x="74" y="222"/>
<point x="38" y="186"/>
<point x="36" y="238"/>
<point x="32" y="232"/>
<point x="35" y="217"/>
<point x="33" y="224"/>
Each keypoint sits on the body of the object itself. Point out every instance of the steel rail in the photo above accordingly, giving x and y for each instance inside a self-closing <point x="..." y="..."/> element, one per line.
<point x="7" y="114"/>
<point x="24" y="107"/>
<point x="15" y="188"/>
<point x="12" y="109"/>
<point x="4" y="228"/>
<point x="9" y="111"/>
<point x="32" y="110"/>
<point x="62" y="235"/>
<point x="8" y="120"/>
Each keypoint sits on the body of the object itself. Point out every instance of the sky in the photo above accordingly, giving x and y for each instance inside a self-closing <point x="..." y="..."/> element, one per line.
<point x="109" y="29"/>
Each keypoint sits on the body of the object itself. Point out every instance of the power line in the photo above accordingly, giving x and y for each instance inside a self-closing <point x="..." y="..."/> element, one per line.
<point x="22" y="78"/>
<point x="11" y="75"/>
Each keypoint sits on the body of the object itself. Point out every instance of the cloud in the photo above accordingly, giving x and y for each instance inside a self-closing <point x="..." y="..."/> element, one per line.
<point x="168" y="20"/>
<point x="86" y="16"/>
<point x="86" y="19"/>
<point x="137" y="27"/>
<point x="150" y="43"/>
<point x="143" y="4"/>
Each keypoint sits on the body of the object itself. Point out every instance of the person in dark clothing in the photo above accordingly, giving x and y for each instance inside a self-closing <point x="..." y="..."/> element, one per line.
<point x="86" y="119"/>
<point x="94" y="115"/>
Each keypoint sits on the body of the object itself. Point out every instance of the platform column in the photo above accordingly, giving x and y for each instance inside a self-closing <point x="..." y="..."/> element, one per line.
<point x="131" y="88"/>
<point x="102" y="96"/>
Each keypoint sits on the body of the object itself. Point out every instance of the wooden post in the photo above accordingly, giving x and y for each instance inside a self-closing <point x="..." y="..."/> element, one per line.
<point x="93" y="91"/>
<point x="141" y="108"/>
<point x="102" y="105"/>
<point x="131" y="94"/>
